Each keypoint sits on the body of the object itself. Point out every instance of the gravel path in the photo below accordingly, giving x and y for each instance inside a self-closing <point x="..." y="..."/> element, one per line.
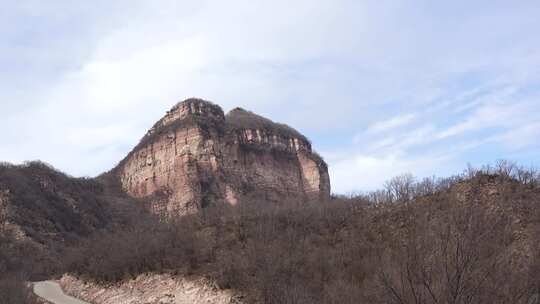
<point x="52" y="292"/>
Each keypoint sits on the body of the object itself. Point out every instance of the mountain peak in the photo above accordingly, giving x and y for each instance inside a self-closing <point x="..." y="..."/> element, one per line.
<point x="195" y="155"/>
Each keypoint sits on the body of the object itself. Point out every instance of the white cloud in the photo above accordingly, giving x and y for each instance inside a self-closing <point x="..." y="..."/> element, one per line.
<point x="363" y="172"/>
<point x="391" y="123"/>
<point x="521" y="136"/>
<point x="383" y="86"/>
<point x="432" y="144"/>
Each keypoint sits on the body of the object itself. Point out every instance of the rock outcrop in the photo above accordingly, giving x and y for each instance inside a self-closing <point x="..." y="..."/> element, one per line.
<point x="195" y="156"/>
<point x="150" y="288"/>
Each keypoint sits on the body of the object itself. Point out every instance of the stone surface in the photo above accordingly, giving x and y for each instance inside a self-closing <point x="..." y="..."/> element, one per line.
<point x="150" y="288"/>
<point x="195" y="156"/>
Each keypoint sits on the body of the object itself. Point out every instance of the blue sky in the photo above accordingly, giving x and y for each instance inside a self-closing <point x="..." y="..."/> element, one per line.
<point x="380" y="87"/>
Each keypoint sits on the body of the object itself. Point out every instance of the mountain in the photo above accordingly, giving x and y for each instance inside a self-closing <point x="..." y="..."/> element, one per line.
<point x="46" y="205"/>
<point x="43" y="210"/>
<point x="192" y="158"/>
<point x="195" y="156"/>
<point x="471" y="238"/>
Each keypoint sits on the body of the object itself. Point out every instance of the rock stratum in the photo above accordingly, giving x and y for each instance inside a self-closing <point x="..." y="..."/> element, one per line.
<point x="196" y="155"/>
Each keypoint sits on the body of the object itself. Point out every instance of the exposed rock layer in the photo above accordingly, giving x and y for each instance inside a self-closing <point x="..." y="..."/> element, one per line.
<point x="150" y="288"/>
<point x="195" y="155"/>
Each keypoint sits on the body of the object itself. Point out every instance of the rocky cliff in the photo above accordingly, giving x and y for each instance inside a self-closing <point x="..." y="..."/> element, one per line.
<point x="196" y="155"/>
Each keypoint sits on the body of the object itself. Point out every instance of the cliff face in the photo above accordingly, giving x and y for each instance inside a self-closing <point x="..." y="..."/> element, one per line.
<point x="196" y="155"/>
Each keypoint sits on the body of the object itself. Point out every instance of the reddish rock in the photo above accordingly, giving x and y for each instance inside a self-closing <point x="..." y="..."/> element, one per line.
<point x="195" y="156"/>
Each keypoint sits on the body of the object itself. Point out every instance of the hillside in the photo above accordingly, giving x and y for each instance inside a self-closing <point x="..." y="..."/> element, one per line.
<point x="43" y="211"/>
<point x="235" y="208"/>
<point x="465" y="239"/>
<point x="51" y="208"/>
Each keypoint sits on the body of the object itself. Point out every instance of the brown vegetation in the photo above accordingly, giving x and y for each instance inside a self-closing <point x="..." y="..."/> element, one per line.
<point x="16" y="263"/>
<point x="239" y="119"/>
<point x="41" y="211"/>
<point x="43" y="200"/>
<point x="467" y="239"/>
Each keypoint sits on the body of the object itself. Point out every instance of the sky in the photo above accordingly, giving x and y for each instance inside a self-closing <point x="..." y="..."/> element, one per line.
<point x="380" y="87"/>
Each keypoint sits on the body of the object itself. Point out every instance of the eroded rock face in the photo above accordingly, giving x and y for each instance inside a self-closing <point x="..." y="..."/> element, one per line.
<point x="196" y="155"/>
<point x="150" y="288"/>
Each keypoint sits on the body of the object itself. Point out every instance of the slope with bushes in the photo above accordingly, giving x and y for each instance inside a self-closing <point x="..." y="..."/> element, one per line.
<point x="466" y="239"/>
